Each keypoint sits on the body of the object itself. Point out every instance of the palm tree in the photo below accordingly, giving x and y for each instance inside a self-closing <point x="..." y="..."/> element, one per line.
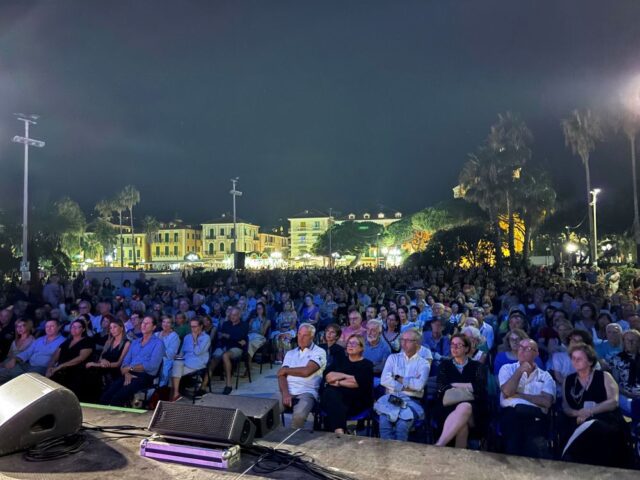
<point x="483" y="182"/>
<point x="129" y="197"/>
<point x="150" y="226"/>
<point x="509" y="139"/>
<point x="631" y="127"/>
<point x="581" y="132"/>
<point x="537" y="200"/>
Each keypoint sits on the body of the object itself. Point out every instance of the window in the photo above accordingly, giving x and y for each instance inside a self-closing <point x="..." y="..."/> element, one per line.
<point x="316" y="225"/>
<point x="138" y="254"/>
<point x="175" y="250"/>
<point x="366" y="216"/>
<point x="175" y="236"/>
<point x="303" y="225"/>
<point x="157" y="250"/>
<point x="221" y="247"/>
<point x="211" y="249"/>
<point x="351" y="216"/>
<point x="302" y="239"/>
<point x="232" y="232"/>
<point x="166" y="237"/>
<point x="166" y="250"/>
<point x="222" y="231"/>
<point x="211" y="233"/>
<point x="130" y="254"/>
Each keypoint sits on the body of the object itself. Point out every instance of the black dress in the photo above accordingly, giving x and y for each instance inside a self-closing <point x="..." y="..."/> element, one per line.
<point x="474" y="373"/>
<point x="73" y="377"/>
<point x="339" y="403"/>
<point x="605" y="442"/>
<point x="97" y="379"/>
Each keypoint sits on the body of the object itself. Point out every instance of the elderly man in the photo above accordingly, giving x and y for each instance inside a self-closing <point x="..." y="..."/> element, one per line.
<point x="194" y="355"/>
<point x="375" y="350"/>
<point x="233" y="336"/>
<point x="355" y="327"/>
<point x="527" y="393"/>
<point x="139" y="367"/>
<point x="300" y="376"/>
<point x="37" y="356"/>
<point x="404" y="377"/>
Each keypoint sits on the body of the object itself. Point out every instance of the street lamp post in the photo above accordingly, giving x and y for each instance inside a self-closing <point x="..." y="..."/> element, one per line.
<point x="330" y="249"/>
<point x="27" y="119"/>
<point x="594" y="245"/>
<point x="235" y="193"/>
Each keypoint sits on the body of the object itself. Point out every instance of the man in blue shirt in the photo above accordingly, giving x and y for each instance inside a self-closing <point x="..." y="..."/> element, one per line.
<point x="140" y="366"/>
<point x="375" y="350"/>
<point x="36" y="357"/>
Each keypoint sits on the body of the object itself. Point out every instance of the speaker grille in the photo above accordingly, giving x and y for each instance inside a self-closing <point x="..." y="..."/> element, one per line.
<point x="201" y="422"/>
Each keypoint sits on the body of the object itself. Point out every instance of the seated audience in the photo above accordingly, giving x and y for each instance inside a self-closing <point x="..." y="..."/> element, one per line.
<point x="598" y="431"/>
<point x="232" y="338"/>
<point x="391" y="334"/>
<point x="258" y="326"/>
<point x="527" y="394"/>
<point x="68" y="362"/>
<point x="37" y="356"/>
<point x="285" y="331"/>
<point x="404" y="377"/>
<point x="355" y="326"/>
<point x="612" y="346"/>
<point x="335" y="352"/>
<point x="625" y="367"/>
<point x="23" y="339"/>
<point x="375" y="350"/>
<point x="194" y="355"/>
<point x="300" y="376"/>
<point x="460" y="372"/>
<point x="349" y="387"/>
<point x="104" y="371"/>
<point x="139" y="367"/>
<point x="478" y="343"/>
<point x="171" y="341"/>
<point x="510" y="347"/>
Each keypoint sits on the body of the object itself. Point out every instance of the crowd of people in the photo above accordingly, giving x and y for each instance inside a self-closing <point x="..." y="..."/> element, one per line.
<point x="538" y="362"/>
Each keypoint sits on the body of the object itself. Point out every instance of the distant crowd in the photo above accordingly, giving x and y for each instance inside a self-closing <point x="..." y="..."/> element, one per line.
<point x="538" y="362"/>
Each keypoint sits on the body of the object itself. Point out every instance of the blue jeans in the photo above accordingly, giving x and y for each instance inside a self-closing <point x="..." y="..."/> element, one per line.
<point x="395" y="431"/>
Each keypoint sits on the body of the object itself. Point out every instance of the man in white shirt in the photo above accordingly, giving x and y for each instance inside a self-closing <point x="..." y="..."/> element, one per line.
<point x="301" y="374"/>
<point x="527" y="393"/>
<point x="404" y="376"/>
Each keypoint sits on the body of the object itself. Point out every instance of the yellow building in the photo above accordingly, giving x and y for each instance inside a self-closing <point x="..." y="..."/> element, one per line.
<point x="269" y="243"/>
<point x="304" y="230"/>
<point x="217" y="238"/>
<point x="176" y="243"/>
<point x="140" y="245"/>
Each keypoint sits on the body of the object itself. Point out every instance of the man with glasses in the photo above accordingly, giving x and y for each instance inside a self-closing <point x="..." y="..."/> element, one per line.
<point x="527" y="393"/>
<point x="404" y="377"/>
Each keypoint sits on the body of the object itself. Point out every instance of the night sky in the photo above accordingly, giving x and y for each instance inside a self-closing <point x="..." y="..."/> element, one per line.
<point x="343" y="104"/>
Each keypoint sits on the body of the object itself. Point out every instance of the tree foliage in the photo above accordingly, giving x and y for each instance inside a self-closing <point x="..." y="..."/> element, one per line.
<point x="349" y="238"/>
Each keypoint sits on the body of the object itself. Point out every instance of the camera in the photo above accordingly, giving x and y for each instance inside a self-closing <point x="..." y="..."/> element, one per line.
<point x="395" y="400"/>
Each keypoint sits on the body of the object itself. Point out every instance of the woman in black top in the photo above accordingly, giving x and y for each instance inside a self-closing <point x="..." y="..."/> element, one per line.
<point x="68" y="361"/>
<point x="592" y="396"/>
<point x="461" y="372"/>
<point x="349" y="386"/>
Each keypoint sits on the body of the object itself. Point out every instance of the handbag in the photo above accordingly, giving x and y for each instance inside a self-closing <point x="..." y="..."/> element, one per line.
<point x="456" y="395"/>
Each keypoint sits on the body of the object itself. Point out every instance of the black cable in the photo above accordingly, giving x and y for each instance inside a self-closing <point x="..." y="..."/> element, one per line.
<point x="55" y="448"/>
<point x="272" y="460"/>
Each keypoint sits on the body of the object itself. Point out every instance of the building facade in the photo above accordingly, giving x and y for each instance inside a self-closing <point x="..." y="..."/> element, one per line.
<point x="175" y="243"/>
<point x="217" y="238"/>
<point x="304" y="230"/>
<point x="138" y="245"/>
<point x="269" y="243"/>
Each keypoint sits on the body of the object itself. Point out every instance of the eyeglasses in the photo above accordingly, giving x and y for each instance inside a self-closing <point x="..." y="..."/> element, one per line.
<point x="353" y="344"/>
<point x="527" y="349"/>
<point x="456" y="346"/>
<point x="410" y="340"/>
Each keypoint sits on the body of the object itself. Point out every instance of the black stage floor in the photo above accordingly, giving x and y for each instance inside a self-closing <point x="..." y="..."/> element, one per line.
<point x="106" y="457"/>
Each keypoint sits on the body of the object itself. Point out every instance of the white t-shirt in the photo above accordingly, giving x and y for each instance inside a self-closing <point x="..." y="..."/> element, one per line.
<point x="535" y="384"/>
<point x="300" y="358"/>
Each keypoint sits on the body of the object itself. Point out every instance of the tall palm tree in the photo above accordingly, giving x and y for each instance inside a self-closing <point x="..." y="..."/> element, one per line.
<point x="631" y="127"/>
<point x="537" y="200"/>
<point x="130" y="197"/>
<point x="483" y="182"/>
<point x="509" y="139"/>
<point x="150" y="226"/>
<point x="581" y="132"/>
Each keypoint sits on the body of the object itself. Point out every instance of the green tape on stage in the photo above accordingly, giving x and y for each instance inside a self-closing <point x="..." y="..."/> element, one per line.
<point x="112" y="408"/>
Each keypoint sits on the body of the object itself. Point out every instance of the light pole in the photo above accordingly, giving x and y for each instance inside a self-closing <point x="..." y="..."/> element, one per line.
<point x="594" y="246"/>
<point x="330" y="250"/>
<point x="235" y="193"/>
<point x="27" y="119"/>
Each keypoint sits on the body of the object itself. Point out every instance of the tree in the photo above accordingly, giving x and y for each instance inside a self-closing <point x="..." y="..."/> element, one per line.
<point x="537" y="200"/>
<point x="130" y="197"/>
<point x="349" y="238"/>
<point x="150" y="226"/>
<point x="71" y="225"/>
<point x="631" y="127"/>
<point x="581" y="132"/>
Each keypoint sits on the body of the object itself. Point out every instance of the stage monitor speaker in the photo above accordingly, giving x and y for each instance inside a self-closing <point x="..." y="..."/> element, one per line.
<point x="227" y="426"/>
<point x="33" y="409"/>
<point x="263" y="412"/>
<point x="240" y="258"/>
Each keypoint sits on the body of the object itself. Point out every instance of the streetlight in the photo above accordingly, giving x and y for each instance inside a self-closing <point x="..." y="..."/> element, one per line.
<point x="27" y="119"/>
<point x="594" y="245"/>
<point x="235" y="193"/>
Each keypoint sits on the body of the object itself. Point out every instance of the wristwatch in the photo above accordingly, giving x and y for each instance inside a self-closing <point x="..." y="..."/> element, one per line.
<point x="131" y="369"/>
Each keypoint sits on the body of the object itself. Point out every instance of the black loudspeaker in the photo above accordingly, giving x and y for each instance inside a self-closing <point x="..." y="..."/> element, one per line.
<point x="227" y="426"/>
<point x="33" y="409"/>
<point x="240" y="257"/>
<point x="263" y="412"/>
